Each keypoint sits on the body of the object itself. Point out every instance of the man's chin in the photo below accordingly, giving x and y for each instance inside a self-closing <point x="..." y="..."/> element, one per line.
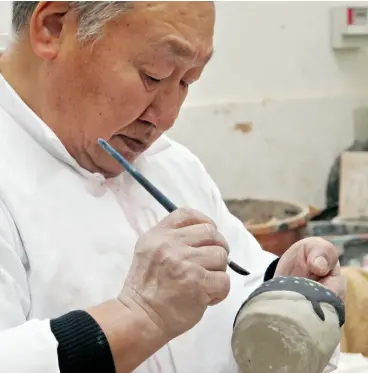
<point x="99" y="161"/>
<point x="113" y="169"/>
<point x="110" y="170"/>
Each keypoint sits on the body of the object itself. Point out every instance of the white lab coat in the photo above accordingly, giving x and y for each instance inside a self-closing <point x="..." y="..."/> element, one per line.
<point x="67" y="239"/>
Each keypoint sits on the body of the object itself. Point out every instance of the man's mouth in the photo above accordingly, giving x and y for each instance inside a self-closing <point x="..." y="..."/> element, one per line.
<point x="135" y="145"/>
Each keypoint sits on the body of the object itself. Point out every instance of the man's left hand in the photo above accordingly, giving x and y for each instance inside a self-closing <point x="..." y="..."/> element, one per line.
<point x="316" y="259"/>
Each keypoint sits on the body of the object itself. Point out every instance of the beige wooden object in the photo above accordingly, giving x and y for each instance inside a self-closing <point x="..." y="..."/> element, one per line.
<point x="353" y="196"/>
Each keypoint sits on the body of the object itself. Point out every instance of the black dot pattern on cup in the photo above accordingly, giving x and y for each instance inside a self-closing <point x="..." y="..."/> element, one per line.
<point x="312" y="291"/>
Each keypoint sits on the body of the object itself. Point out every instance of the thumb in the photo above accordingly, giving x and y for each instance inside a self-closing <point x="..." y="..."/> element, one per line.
<point x="319" y="266"/>
<point x="322" y="256"/>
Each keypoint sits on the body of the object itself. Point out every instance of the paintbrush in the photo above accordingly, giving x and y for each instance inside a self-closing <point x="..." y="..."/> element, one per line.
<point x="154" y="192"/>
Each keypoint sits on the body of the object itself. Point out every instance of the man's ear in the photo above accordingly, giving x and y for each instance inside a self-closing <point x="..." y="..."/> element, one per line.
<point x="46" y="26"/>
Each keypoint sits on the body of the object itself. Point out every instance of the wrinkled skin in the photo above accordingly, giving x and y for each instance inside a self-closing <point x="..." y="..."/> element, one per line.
<point x="132" y="81"/>
<point x="314" y="258"/>
<point x="182" y="263"/>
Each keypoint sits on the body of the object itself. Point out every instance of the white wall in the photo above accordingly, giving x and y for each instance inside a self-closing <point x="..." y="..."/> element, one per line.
<point x="5" y="22"/>
<point x="5" y="16"/>
<point x="275" y="49"/>
<point x="274" y="73"/>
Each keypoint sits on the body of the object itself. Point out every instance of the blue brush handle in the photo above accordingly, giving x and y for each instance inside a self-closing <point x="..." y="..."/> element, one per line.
<point x="155" y="193"/>
<point x="162" y="199"/>
<point x="146" y="184"/>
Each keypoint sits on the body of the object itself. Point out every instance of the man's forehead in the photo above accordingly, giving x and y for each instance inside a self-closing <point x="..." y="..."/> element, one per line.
<point x="183" y="29"/>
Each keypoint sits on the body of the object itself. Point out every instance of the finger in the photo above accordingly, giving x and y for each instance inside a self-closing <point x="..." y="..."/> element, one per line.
<point x="217" y="286"/>
<point x="201" y="235"/>
<point x="337" y="284"/>
<point x="184" y="217"/>
<point x="212" y="258"/>
<point x="322" y="256"/>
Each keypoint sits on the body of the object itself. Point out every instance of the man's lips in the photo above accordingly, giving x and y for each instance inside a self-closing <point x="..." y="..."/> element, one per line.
<point x="135" y="145"/>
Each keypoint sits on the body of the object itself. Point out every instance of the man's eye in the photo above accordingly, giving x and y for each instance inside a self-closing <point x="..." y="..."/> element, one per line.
<point x="151" y="79"/>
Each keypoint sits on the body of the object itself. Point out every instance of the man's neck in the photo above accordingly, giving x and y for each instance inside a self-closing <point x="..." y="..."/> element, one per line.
<point x="19" y="70"/>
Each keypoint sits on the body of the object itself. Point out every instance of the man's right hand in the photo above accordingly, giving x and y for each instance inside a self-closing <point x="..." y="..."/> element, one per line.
<point x="178" y="269"/>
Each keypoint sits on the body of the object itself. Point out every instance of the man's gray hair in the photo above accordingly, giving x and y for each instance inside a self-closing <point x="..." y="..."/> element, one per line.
<point x="91" y="15"/>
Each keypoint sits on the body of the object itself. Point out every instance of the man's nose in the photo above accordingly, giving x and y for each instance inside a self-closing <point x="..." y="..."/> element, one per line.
<point x="164" y="109"/>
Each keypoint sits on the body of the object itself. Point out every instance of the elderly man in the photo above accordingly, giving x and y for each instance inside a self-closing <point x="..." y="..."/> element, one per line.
<point x="95" y="276"/>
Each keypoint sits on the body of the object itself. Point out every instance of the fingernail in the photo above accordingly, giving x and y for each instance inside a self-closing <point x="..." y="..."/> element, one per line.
<point x="322" y="264"/>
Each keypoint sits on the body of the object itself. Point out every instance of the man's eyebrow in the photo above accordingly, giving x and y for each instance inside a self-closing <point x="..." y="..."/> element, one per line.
<point x="180" y="49"/>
